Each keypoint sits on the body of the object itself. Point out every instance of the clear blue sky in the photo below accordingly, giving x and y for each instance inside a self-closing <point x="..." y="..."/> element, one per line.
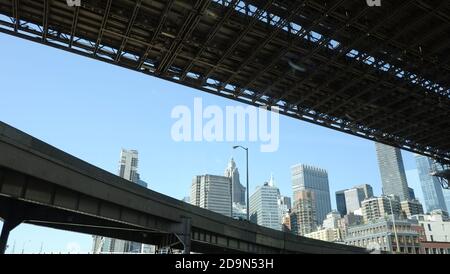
<point x="92" y="109"/>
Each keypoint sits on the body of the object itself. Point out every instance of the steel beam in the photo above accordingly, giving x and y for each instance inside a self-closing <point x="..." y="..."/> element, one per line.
<point x="128" y="30"/>
<point x="155" y="34"/>
<point x="102" y="27"/>
<point x="74" y="25"/>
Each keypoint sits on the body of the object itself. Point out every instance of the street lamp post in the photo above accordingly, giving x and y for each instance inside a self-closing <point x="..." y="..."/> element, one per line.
<point x="248" y="190"/>
<point x="394" y="226"/>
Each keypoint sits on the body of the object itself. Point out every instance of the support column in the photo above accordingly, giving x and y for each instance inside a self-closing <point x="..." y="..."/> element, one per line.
<point x="186" y="235"/>
<point x="8" y="225"/>
<point x="182" y="231"/>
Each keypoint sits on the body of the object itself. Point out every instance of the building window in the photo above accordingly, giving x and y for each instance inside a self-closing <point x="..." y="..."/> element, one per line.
<point x="431" y="236"/>
<point x="429" y="227"/>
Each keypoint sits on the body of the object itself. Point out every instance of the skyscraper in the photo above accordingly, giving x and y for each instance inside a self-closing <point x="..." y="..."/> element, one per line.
<point x="366" y="189"/>
<point x="303" y="215"/>
<point x="431" y="188"/>
<point x="447" y="198"/>
<point x="353" y="199"/>
<point x="411" y="194"/>
<point x="264" y="209"/>
<point x="284" y="205"/>
<point x="286" y="201"/>
<point x="392" y="171"/>
<point x="306" y="177"/>
<point x="212" y="192"/>
<point x="340" y="202"/>
<point x="129" y="165"/>
<point x="128" y="169"/>
<point x="238" y="190"/>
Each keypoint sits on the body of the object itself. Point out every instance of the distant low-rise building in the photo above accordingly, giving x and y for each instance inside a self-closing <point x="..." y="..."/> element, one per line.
<point x="332" y="220"/>
<point x="239" y="211"/>
<point x="286" y="222"/>
<point x="381" y="234"/>
<point x="435" y="226"/>
<point x="348" y="221"/>
<point x="326" y="234"/>
<point x="427" y="247"/>
<point x="435" y="248"/>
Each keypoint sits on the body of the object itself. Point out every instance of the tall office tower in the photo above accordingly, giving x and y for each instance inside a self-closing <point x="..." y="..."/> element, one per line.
<point x="353" y="199"/>
<point x="284" y="206"/>
<point x="349" y="200"/>
<point x="340" y="202"/>
<point x="264" y="209"/>
<point x="431" y="188"/>
<point x="355" y="196"/>
<point x="303" y="214"/>
<point x="378" y="207"/>
<point x="306" y="177"/>
<point x="447" y="199"/>
<point x="366" y="189"/>
<point x="392" y="171"/>
<point x="212" y="192"/>
<point x="128" y="169"/>
<point x="286" y="201"/>
<point x="412" y="195"/>
<point x="238" y="190"/>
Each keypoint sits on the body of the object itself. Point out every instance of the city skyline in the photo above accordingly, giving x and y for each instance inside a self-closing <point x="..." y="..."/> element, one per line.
<point x="91" y="132"/>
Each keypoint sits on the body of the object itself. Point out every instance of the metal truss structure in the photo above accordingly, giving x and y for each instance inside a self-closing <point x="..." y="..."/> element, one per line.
<point x="381" y="73"/>
<point x="442" y="173"/>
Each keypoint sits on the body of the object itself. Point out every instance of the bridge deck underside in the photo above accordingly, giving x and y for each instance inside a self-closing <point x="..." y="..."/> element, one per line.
<point x="378" y="73"/>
